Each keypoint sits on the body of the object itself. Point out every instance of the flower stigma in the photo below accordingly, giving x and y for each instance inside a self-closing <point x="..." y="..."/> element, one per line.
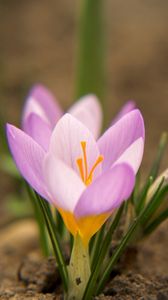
<point x="83" y="165"/>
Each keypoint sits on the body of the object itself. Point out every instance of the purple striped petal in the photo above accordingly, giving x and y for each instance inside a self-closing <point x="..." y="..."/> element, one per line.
<point x="28" y="156"/>
<point x="42" y="102"/>
<point x="115" y="141"/>
<point x="133" y="155"/>
<point x="65" y="143"/>
<point x="107" y="192"/>
<point x="39" y="130"/>
<point x="88" y="111"/>
<point x="129" y="106"/>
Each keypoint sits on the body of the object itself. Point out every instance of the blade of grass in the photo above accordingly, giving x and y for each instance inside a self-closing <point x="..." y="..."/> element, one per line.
<point x="155" y="203"/>
<point x="54" y="240"/>
<point x="40" y="221"/>
<point x="98" y="263"/>
<point x="59" y="224"/>
<point x="124" y="242"/>
<point x="159" y="156"/>
<point x="142" y="196"/>
<point x="97" y="246"/>
<point x="153" y="225"/>
<point x="90" y="67"/>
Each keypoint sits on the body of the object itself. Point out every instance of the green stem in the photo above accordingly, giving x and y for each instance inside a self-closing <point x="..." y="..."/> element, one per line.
<point x="78" y="270"/>
<point x="90" y="72"/>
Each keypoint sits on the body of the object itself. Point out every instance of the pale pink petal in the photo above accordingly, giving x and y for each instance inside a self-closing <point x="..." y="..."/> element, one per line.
<point x="107" y="192"/>
<point x="115" y="141"/>
<point x="64" y="185"/>
<point x="42" y="102"/>
<point x="28" y="156"/>
<point x="133" y="155"/>
<point x="39" y="130"/>
<point x="65" y="143"/>
<point x="89" y="112"/>
<point x="129" y="106"/>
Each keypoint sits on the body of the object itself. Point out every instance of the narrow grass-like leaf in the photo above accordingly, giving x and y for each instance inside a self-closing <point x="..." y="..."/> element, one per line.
<point x="97" y="265"/>
<point x="97" y="246"/>
<point x="90" y="66"/>
<point x="4" y="145"/>
<point x="40" y="221"/>
<point x="124" y="242"/>
<point x="54" y="240"/>
<point x="59" y="224"/>
<point x="142" y="196"/>
<point x="154" y="224"/>
<point x="159" y="156"/>
<point x="154" y="203"/>
<point x="121" y="247"/>
<point x="136" y="188"/>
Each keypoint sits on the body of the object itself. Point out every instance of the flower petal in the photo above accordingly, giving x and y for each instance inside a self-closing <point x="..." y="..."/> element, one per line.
<point x="65" y="143"/>
<point x="64" y="185"/>
<point x="89" y="112"/>
<point x="28" y="156"/>
<point x="39" y="130"/>
<point x="42" y="102"/>
<point x="129" y="106"/>
<point x="133" y="155"/>
<point x="115" y="141"/>
<point x="107" y="192"/>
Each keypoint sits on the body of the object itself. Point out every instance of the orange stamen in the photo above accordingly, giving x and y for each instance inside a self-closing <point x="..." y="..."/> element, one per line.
<point x="83" y="144"/>
<point x="83" y="166"/>
<point x="80" y="166"/>
<point x="98" y="161"/>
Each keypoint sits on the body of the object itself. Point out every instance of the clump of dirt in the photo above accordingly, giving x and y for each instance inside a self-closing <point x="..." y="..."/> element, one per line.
<point x="134" y="286"/>
<point x="39" y="276"/>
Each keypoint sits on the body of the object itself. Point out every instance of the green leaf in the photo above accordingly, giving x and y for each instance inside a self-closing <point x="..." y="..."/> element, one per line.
<point x="90" y="66"/>
<point x="140" y="202"/>
<point x="40" y="221"/>
<point x="54" y="240"/>
<point x="96" y="246"/>
<point x="154" y="224"/>
<point x="98" y="263"/>
<point x="154" y="203"/>
<point x="159" y="156"/>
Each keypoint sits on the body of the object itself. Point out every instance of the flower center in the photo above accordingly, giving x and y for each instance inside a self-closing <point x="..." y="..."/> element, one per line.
<point x="83" y="165"/>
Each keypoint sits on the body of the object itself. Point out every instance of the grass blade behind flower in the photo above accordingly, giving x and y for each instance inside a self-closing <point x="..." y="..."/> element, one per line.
<point x="142" y="196"/>
<point x="54" y="240"/>
<point x="154" y="224"/>
<point x="98" y="263"/>
<point x="40" y="221"/>
<point x="152" y="205"/>
<point x="96" y="246"/>
<point x="161" y="149"/>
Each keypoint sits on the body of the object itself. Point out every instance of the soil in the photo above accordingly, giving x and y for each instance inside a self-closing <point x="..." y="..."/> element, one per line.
<point x="38" y="45"/>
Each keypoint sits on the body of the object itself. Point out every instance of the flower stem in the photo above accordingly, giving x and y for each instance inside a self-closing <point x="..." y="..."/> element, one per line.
<point x="78" y="270"/>
<point x="90" y="65"/>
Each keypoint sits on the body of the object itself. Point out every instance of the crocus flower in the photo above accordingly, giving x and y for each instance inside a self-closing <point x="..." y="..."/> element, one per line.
<point x="84" y="179"/>
<point x="41" y="113"/>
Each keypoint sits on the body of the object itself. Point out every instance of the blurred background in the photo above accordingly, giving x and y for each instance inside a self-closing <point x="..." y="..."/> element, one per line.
<point x="38" y="44"/>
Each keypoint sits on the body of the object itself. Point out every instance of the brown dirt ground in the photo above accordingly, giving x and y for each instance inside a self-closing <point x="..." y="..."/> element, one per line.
<point x="38" y="45"/>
